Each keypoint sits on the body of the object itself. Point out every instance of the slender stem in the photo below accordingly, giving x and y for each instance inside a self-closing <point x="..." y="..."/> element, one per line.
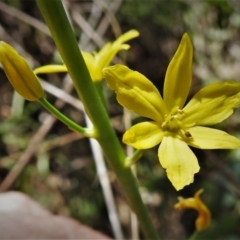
<point x="56" y="19"/>
<point x="72" y="125"/>
<point x="194" y="235"/>
<point x="134" y="158"/>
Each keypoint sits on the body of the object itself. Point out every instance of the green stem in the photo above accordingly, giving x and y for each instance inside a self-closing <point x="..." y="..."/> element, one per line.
<point x="99" y="88"/>
<point x="72" y="125"/>
<point x="194" y="235"/>
<point x="62" y="33"/>
<point x="134" y="158"/>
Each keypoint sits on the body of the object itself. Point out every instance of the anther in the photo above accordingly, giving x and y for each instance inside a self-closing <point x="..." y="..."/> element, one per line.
<point x="180" y="111"/>
<point x="188" y="134"/>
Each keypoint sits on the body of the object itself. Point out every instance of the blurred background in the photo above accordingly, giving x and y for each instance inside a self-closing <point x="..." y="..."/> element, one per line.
<point x="41" y="157"/>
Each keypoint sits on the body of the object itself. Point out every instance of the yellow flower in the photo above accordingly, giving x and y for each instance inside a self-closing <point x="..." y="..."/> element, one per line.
<point x="174" y="125"/>
<point x="19" y="73"/>
<point x="98" y="60"/>
<point x="204" y="215"/>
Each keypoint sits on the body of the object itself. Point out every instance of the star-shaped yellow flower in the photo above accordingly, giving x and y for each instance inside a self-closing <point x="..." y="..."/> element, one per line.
<point x="174" y="125"/>
<point x="96" y="61"/>
<point x="204" y="215"/>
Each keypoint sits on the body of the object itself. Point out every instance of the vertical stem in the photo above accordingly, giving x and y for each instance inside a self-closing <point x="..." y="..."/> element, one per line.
<point x="99" y="88"/>
<point x="56" y="19"/>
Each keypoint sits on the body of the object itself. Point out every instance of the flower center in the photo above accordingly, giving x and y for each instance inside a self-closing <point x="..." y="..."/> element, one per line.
<point x="174" y="124"/>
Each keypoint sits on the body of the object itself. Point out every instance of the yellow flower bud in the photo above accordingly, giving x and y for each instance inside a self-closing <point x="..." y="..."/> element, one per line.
<point x="20" y="75"/>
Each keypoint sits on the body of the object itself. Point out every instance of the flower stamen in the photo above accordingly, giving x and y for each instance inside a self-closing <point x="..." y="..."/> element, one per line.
<point x="174" y="124"/>
<point x="172" y="121"/>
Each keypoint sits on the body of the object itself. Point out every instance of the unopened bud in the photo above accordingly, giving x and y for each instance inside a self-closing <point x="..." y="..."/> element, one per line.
<point x="20" y="75"/>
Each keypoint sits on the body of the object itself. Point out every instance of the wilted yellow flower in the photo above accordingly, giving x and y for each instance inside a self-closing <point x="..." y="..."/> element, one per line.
<point x="174" y="125"/>
<point x="19" y="73"/>
<point x="204" y="215"/>
<point x="98" y="60"/>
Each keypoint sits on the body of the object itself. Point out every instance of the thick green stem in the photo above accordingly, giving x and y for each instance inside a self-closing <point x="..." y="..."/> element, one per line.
<point x="99" y="88"/>
<point x="72" y="125"/>
<point x="56" y="19"/>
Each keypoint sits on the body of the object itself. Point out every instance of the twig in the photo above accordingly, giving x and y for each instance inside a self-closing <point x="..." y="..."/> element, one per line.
<point x="102" y="27"/>
<point x="109" y="17"/>
<point x="25" y="18"/>
<point x="34" y="144"/>
<point x="87" y="28"/>
<point x="27" y="154"/>
<point x="57" y="92"/>
<point x="105" y="184"/>
<point x="45" y="146"/>
<point x="93" y="19"/>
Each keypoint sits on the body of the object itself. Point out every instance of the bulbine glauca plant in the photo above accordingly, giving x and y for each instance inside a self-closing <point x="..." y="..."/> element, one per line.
<point x="173" y="123"/>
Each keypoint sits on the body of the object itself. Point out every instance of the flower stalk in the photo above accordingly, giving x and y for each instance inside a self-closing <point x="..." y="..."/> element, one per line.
<point x="72" y="125"/>
<point x="130" y="161"/>
<point x="56" y="19"/>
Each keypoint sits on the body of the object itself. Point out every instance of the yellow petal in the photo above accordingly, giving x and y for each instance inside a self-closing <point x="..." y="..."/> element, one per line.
<point x="127" y="36"/>
<point x="135" y="92"/>
<point x="97" y="61"/>
<point x="204" y="215"/>
<point x="108" y="52"/>
<point x="178" y="159"/>
<point x="102" y="59"/>
<point x="212" y="104"/>
<point x="179" y="75"/>
<point x="20" y="75"/>
<point x="208" y="138"/>
<point x="143" y="135"/>
<point x="95" y="72"/>
<point x="50" y="69"/>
